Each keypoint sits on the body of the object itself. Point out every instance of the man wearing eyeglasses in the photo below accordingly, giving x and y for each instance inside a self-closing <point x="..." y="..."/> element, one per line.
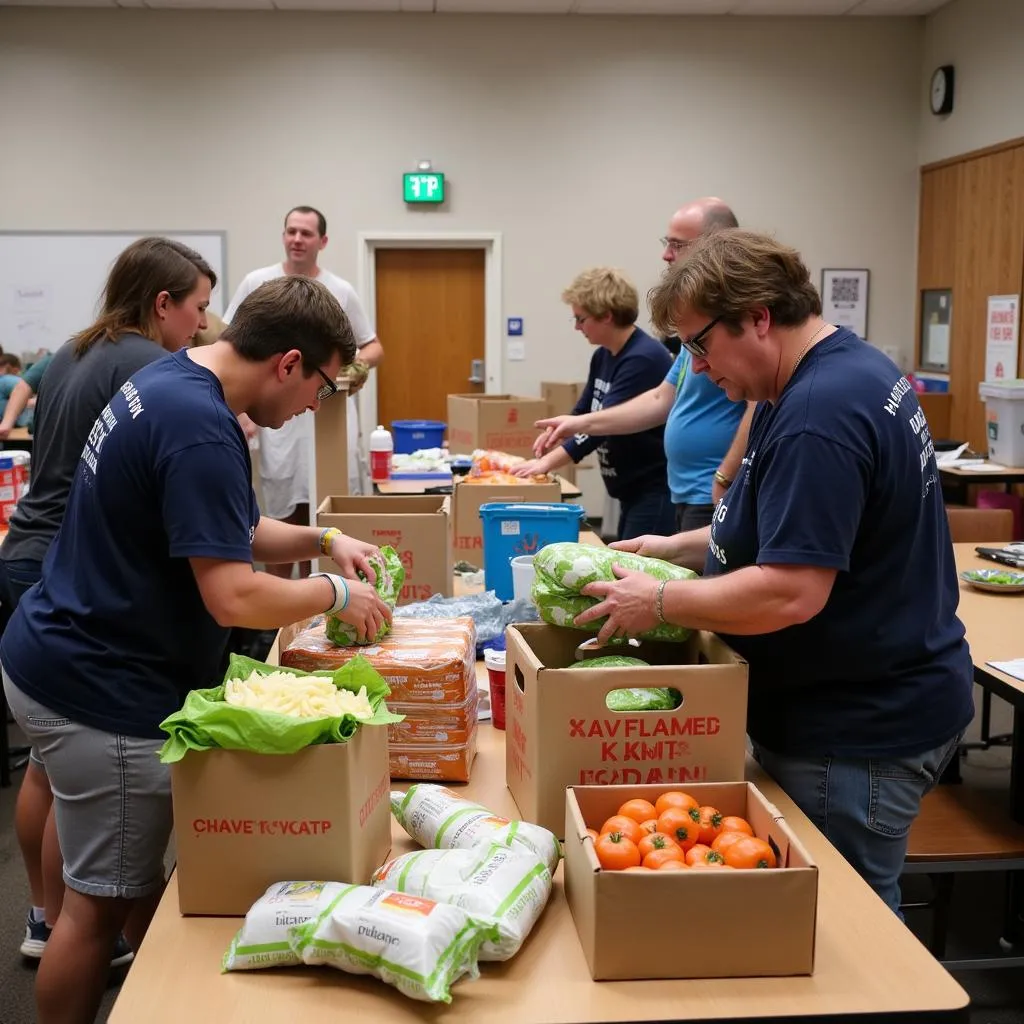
<point x="705" y="431"/>
<point x="285" y="453"/>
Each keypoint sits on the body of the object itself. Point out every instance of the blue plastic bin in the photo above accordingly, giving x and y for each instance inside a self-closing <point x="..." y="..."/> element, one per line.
<point x="412" y="435"/>
<point x="518" y="528"/>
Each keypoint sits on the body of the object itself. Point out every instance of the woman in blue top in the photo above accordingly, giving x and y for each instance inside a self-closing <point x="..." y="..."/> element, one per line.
<point x="828" y="565"/>
<point x="627" y="362"/>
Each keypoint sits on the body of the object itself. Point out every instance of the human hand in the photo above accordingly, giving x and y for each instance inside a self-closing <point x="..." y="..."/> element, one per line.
<point x="365" y="611"/>
<point x="650" y="544"/>
<point x="5" y="432"/>
<point x="554" y="430"/>
<point x="533" y="467"/>
<point x="629" y="602"/>
<point x="356" y="375"/>
<point x="354" y="557"/>
<point x="717" y="491"/>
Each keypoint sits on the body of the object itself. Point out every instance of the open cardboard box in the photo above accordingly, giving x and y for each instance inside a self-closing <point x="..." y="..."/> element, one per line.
<point x="468" y="539"/>
<point x="560" y="731"/>
<point x="503" y="423"/>
<point x="690" y="924"/>
<point x="417" y="527"/>
<point x="245" y="820"/>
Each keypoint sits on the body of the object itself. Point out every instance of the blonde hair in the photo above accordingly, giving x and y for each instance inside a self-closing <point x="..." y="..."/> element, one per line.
<point x="215" y="327"/>
<point x="602" y="290"/>
<point x="730" y="272"/>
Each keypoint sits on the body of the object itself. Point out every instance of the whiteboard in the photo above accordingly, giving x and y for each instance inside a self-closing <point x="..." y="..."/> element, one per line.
<point x="51" y="281"/>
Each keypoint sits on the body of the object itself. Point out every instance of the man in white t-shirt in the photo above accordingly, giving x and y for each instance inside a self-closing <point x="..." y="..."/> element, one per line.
<point x="285" y="453"/>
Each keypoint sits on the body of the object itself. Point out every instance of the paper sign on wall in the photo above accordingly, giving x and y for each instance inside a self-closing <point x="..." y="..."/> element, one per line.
<point x="1001" y="330"/>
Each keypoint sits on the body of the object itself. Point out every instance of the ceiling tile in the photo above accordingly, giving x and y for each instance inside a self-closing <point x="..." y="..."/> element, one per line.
<point x="689" y="7"/>
<point x="370" y="6"/>
<point x="904" y="8"/>
<point x="504" y="6"/>
<point x="810" y="8"/>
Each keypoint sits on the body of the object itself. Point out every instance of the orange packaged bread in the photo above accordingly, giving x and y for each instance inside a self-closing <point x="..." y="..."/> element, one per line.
<point x="423" y="661"/>
<point x="439" y="762"/>
<point x="450" y="724"/>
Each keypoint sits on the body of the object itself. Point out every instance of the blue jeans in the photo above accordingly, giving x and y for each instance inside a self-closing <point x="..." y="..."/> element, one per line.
<point x="864" y="808"/>
<point x="647" y="512"/>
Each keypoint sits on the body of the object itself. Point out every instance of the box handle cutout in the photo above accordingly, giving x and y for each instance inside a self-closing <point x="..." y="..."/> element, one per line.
<point x="520" y="681"/>
<point x="611" y="700"/>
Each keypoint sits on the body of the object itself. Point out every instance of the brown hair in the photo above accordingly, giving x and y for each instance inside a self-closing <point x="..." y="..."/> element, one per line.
<point x="730" y="272"/>
<point x="602" y="290"/>
<point x="292" y="312"/>
<point x="146" y="268"/>
<point x="321" y="220"/>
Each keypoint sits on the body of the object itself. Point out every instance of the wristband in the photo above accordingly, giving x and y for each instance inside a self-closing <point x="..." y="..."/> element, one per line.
<point x="327" y="538"/>
<point x="340" y="587"/>
<point x="721" y="478"/>
<point x="659" y="602"/>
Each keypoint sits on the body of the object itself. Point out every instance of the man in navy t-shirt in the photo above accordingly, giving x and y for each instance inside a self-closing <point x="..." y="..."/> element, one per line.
<point x="627" y="362"/>
<point x="152" y="564"/>
<point x="828" y="564"/>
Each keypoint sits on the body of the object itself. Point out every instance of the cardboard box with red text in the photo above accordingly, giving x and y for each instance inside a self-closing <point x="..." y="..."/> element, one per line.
<point x="416" y="527"/>
<point x="468" y="537"/>
<point x="504" y="423"/>
<point x="245" y="820"/>
<point x="560" y="731"/>
<point x="762" y="922"/>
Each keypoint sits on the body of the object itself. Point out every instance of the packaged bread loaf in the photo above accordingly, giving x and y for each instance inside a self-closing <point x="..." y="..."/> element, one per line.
<point x="433" y="762"/>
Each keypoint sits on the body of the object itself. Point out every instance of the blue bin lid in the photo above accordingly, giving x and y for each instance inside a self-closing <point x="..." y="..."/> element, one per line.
<point x="418" y="424"/>
<point x="534" y="510"/>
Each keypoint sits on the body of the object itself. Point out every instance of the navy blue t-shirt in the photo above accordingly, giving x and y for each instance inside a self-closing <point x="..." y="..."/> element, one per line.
<point x="632" y="463"/>
<point x="116" y="633"/>
<point x="840" y="473"/>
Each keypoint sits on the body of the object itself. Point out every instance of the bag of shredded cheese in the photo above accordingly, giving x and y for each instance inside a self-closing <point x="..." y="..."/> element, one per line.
<point x="211" y="718"/>
<point x="436" y="817"/>
<point x="262" y="941"/>
<point x="419" y="946"/>
<point x="509" y="886"/>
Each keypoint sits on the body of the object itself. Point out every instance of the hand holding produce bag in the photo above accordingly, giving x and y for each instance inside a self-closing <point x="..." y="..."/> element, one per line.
<point x="390" y="577"/>
<point x="562" y="570"/>
<point x="207" y="720"/>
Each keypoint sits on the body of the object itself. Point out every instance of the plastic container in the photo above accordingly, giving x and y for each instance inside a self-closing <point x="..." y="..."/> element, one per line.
<point x="382" y="447"/>
<point x="522" y="577"/>
<point x="518" y="528"/>
<point x="495" y="662"/>
<point x="411" y="435"/>
<point x="1004" y="420"/>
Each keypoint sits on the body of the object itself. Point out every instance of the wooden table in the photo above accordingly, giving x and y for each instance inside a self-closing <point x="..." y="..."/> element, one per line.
<point x="956" y="479"/>
<point x="18" y="438"/>
<point x="868" y="964"/>
<point x="993" y="623"/>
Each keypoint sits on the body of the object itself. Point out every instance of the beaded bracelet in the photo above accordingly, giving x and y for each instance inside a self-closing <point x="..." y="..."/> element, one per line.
<point x="659" y="602"/>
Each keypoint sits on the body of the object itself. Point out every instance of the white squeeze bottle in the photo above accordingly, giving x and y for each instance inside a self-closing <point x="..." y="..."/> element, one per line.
<point x="381" y="448"/>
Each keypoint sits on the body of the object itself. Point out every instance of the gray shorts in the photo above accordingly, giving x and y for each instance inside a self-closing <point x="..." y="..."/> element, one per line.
<point x="111" y="800"/>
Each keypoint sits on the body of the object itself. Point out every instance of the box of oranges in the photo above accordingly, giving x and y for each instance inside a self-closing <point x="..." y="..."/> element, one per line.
<point x="684" y="857"/>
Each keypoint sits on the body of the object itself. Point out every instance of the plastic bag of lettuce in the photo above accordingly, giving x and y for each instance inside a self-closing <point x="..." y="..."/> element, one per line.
<point x="633" y="698"/>
<point x="563" y="570"/>
<point x="390" y="577"/>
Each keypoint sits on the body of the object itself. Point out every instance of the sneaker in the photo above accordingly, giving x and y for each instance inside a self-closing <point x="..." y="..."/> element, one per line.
<point x="36" y="935"/>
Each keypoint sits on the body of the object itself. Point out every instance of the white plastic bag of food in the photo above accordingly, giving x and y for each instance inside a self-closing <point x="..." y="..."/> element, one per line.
<point x="262" y="941"/>
<point x="509" y="885"/>
<point x="436" y="818"/>
<point x="418" y="945"/>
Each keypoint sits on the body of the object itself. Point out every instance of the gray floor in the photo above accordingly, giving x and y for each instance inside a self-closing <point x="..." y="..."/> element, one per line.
<point x="997" y="995"/>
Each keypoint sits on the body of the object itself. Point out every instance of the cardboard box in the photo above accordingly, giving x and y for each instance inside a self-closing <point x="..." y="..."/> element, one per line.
<point x="760" y="923"/>
<point x="468" y="538"/>
<point x="504" y="423"/>
<point x="330" y="431"/>
<point x="244" y="820"/>
<point x="560" y="732"/>
<point x="416" y="527"/>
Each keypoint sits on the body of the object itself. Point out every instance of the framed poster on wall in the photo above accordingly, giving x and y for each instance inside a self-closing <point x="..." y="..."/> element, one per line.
<point x="936" y="320"/>
<point x="844" y="299"/>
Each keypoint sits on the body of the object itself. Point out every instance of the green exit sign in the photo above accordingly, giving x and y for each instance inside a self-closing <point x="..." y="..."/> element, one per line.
<point x="423" y="187"/>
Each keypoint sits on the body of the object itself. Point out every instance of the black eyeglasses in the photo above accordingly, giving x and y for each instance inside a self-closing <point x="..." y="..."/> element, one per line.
<point x="326" y="389"/>
<point x="582" y="319"/>
<point x="693" y="345"/>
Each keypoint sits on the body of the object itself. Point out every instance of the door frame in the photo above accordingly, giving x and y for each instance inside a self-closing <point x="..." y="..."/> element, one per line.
<point x="366" y="276"/>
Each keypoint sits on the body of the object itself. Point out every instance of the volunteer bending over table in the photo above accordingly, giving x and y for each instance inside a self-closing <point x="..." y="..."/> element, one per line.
<point x="152" y="565"/>
<point x="828" y="564"/>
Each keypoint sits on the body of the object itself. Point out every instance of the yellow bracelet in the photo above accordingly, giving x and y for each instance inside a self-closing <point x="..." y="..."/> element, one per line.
<point x="327" y="538"/>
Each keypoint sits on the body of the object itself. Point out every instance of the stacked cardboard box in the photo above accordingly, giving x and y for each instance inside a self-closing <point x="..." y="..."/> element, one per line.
<point x="430" y="665"/>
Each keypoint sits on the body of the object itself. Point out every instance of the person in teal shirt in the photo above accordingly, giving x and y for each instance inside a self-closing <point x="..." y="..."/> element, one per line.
<point x="15" y="411"/>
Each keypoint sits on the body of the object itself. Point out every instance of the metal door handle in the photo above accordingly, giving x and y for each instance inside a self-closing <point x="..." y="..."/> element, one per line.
<point x="476" y="371"/>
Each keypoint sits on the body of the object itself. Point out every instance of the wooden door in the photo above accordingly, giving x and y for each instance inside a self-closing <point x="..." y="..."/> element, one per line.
<point x="430" y="319"/>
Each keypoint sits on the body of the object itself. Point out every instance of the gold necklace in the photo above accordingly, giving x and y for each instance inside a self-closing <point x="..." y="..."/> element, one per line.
<point x="803" y="351"/>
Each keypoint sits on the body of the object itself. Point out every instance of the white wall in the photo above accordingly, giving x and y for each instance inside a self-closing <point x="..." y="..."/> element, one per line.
<point x="984" y="40"/>
<point x="575" y="137"/>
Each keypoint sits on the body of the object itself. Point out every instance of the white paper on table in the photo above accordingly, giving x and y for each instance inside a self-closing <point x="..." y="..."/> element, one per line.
<point x="1013" y="668"/>
<point x="988" y="467"/>
<point x="953" y="458"/>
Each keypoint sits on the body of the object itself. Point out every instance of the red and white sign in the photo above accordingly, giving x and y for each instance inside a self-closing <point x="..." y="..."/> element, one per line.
<point x="1001" y="331"/>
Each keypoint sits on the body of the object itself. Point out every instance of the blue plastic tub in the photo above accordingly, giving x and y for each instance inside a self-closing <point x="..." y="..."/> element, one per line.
<point x="518" y="528"/>
<point x="412" y="435"/>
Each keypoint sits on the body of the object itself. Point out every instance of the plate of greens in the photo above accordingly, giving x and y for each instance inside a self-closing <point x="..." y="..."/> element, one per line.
<point x="998" y="581"/>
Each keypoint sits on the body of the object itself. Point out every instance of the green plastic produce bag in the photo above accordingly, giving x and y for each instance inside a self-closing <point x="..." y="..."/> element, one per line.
<point x="207" y="721"/>
<point x="390" y="577"/>
<point x="633" y="698"/>
<point x="563" y="570"/>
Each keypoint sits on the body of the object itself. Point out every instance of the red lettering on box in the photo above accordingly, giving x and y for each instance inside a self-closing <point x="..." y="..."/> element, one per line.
<point x="415" y="591"/>
<point x="517" y="701"/>
<point x="374" y="799"/>
<point x="519" y="766"/>
<point x="608" y="751"/>
<point x="518" y="737"/>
